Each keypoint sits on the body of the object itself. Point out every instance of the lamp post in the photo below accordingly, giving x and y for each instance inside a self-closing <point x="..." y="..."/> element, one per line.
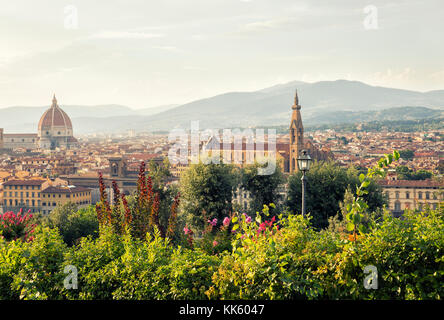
<point x="304" y="162"/>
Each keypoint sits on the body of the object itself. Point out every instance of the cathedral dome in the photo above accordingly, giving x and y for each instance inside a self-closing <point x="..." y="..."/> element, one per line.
<point x="54" y="118"/>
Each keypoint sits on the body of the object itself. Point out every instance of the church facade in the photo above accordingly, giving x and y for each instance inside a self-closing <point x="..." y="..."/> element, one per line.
<point x="54" y="131"/>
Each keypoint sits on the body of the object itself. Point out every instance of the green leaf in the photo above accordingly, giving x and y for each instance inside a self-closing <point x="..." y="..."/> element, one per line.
<point x="362" y="228"/>
<point x="234" y="220"/>
<point x="365" y="184"/>
<point x="361" y="177"/>
<point x="235" y="227"/>
<point x="350" y="226"/>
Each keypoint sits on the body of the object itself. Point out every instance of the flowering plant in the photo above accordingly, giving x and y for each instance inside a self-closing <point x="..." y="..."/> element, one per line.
<point x="16" y="226"/>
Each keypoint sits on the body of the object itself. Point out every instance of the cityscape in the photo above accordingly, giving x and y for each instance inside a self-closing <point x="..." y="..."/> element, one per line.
<point x="211" y="153"/>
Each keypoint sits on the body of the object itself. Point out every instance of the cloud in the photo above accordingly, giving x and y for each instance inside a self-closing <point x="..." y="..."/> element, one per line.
<point x="125" y="35"/>
<point x="167" y="48"/>
<point x="389" y="75"/>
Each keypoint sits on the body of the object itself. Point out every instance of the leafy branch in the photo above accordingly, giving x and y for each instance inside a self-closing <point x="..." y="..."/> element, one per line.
<point x="356" y="209"/>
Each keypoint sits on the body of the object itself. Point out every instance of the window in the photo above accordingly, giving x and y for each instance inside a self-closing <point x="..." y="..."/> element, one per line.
<point x="427" y="195"/>
<point x="407" y="195"/>
<point x="419" y="195"/>
<point x="397" y="206"/>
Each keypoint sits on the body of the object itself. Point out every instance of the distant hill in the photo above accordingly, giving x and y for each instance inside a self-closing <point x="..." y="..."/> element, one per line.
<point x="392" y="114"/>
<point x="323" y="102"/>
<point x="155" y="110"/>
<point x="85" y="118"/>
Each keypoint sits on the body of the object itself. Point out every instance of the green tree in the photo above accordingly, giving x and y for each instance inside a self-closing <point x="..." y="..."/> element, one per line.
<point x="73" y="223"/>
<point x="326" y="185"/>
<point x="206" y="193"/>
<point x="407" y="154"/>
<point x="263" y="188"/>
<point x="404" y="173"/>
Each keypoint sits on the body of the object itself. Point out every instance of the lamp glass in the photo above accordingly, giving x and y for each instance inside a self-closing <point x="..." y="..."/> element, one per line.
<point x="304" y="161"/>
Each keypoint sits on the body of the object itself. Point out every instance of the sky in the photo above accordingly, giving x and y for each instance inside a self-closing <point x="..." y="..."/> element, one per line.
<point x="145" y="53"/>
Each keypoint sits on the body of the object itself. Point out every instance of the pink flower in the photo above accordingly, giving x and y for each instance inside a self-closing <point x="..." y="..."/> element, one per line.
<point x="213" y="222"/>
<point x="186" y="230"/>
<point x="226" y="221"/>
<point x="262" y="227"/>
<point x="215" y="243"/>
<point x="248" y="219"/>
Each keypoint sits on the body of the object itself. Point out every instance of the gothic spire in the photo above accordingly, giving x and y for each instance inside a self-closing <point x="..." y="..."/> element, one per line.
<point x="296" y="105"/>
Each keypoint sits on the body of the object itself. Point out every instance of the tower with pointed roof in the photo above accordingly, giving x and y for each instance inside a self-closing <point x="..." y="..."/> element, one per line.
<point x="55" y="129"/>
<point x="296" y="134"/>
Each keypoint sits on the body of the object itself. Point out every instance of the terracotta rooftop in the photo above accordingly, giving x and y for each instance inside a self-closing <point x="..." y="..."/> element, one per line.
<point x="410" y="183"/>
<point x="64" y="189"/>
<point x="27" y="182"/>
<point x="54" y="117"/>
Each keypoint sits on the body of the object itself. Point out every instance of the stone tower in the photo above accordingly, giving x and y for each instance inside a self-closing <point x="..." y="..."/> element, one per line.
<point x="1" y="138"/>
<point x="296" y="135"/>
<point x="117" y="167"/>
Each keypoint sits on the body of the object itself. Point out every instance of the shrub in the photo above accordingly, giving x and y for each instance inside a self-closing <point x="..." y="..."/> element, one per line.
<point x="32" y="270"/>
<point x="72" y="223"/>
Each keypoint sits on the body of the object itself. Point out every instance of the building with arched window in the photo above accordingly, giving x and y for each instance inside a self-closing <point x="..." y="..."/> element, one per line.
<point x="412" y="194"/>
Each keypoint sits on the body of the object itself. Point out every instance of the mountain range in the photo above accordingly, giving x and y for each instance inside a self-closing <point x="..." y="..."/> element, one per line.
<point x="322" y="102"/>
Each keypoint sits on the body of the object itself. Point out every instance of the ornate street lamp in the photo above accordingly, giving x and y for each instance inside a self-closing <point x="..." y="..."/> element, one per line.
<point x="304" y="162"/>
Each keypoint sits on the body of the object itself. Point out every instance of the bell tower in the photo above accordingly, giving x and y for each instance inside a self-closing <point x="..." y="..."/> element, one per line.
<point x="1" y="138"/>
<point x="117" y="167"/>
<point x="296" y="134"/>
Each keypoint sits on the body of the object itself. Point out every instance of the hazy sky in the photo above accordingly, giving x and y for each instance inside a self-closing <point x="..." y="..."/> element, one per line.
<point x="144" y="53"/>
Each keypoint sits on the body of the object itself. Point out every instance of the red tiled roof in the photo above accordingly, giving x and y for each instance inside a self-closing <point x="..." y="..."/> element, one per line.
<point x="54" y="116"/>
<point x="24" y="182"/>
<point x="60" y="189"/>
<point x="21" y="135"/>
<point x="410" y="183"/>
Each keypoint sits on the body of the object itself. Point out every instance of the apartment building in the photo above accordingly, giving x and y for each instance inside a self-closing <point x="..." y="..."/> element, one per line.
<point x="412" y="194"/>
<point x="54" y="196"/>
<point x="39" y="195"/>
